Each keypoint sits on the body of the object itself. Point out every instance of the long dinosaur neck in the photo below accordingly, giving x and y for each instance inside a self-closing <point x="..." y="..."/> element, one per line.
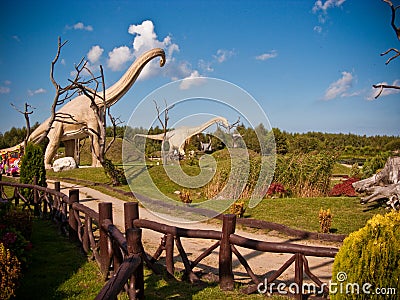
<point x="121" y="87"/>
<point x="208" y="124"/>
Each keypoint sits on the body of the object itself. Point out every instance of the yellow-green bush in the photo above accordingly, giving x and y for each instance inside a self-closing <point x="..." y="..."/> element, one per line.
<point x="10" y="272"/>
<point x="369" y="261"/>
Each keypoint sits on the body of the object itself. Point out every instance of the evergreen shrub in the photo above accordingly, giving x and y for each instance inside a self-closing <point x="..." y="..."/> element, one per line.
<point x="32" y="165"/>
<point x="369" y="258"/>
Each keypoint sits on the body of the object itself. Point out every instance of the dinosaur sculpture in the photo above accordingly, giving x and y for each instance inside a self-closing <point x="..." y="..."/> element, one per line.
<point x="80" y="109"/>
<point x="177" y="137"/>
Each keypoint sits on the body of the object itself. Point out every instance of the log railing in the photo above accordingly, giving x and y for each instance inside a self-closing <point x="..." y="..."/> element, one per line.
<point x="120" y="256"/>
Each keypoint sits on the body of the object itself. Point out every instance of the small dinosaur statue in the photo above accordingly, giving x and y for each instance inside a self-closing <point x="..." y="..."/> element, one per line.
<point x="80" y="109"/>
<point x="177" y="137"/>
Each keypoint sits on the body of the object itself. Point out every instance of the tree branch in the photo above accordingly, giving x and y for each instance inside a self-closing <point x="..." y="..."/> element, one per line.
<point x="393" y="57"/>
<point x="393" y="8"/>
<point x="381" y="87"/>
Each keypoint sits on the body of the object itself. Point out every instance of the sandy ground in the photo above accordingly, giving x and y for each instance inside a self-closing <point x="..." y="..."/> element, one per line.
<point x="260" y="262"/>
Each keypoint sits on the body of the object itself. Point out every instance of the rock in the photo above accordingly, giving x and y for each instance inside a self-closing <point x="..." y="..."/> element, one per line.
<point x="64" y="164"/>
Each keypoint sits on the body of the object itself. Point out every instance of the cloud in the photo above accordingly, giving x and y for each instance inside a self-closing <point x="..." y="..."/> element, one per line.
<point x="206" y="66"/>
<point x="94" y="54"/>
<point x="80" y="26"/>
<point x="222" y="55"/>
<point x="321" y="8"/>
<point x="4" y="90"/>
<point x="385" y="92"/>
<point x="340" y="87"/>
<point x="118" y="57"/>
<point x="145" y="38"/>
<point x="35" y="92"/>
<point x="317" y="29"/>
<point x="194" y="79"/>
<point x="266" y="56"/>
<point x="16" y="38"/>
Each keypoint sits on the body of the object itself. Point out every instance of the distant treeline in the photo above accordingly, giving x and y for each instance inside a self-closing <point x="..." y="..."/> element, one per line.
<point x="345" y="144"/>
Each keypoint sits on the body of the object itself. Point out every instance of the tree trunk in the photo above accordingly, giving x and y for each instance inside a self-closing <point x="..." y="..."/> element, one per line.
<point x="383" y="185"/>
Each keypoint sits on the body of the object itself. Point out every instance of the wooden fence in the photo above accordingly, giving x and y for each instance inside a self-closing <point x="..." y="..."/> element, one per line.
<point x="121" y="256"/>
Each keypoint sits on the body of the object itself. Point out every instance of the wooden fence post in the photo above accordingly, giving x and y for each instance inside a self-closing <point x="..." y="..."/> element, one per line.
<point x="298" y="275"/>
<point x="73" y="223"/>
<point x="36" y="210"/>
<point x="134" y="240"/>
<point x="226" y="280"/>
<point x="105" y="212"/>
<point x="131" y="213"/>
<point x="169" y="254"/>
<point x="57" y="186"/>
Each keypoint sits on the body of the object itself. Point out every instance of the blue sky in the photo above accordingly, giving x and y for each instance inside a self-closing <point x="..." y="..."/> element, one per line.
<point x="309" y="64"/>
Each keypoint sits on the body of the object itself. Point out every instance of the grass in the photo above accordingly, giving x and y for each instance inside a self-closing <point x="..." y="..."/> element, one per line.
<point x="302" y="213"/>
<point x="58" y="269"/>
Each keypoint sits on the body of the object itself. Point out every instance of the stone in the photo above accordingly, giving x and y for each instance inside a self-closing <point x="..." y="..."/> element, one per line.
<point x="64" y="164"/>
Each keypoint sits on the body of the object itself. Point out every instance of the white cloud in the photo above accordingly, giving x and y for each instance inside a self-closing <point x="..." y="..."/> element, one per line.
<point x="95" y="53"/>
<point x="222" y="55"/>
<point x="266" y="56"/>
<point x="206" y="66"/>
<point x="385" y="92"/>
<point x="321" y="8"/>
<point x="118" y="57"/>
<point x="4" y="90"/>
<point x="35" y="92"/>
<point x="145" y="38"/>
<point x="340" y="87"/>
<point x="80" y="26"/>
<point x="318" y="29"/>
<point x="194" y="79"/>
<point x="16" y="37"/>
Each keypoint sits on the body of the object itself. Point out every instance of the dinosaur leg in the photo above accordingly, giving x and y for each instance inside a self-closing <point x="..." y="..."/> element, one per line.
<point x="54" y="142"/>
<point x="95" y="150"/>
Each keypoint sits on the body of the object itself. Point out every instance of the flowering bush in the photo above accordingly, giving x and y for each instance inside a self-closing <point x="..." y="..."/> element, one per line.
<point x="10" y="272"/>
<point x="276" y="189"/>
<point x="15" y="231"/>
<point x="344" y="188"/>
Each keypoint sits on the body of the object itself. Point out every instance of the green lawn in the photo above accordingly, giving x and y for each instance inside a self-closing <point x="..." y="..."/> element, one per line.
<point x="302" y="213"/>
<point x="58" y="270"/>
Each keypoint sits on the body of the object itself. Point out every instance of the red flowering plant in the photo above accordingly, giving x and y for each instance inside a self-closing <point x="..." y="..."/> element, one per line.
<point x="15" y="226"/>
<point x="344" y="188"/>
<point x="276" y="190"/>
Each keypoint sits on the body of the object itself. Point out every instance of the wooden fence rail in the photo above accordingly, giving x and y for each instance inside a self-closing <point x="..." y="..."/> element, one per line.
<point x="120" y="256"/>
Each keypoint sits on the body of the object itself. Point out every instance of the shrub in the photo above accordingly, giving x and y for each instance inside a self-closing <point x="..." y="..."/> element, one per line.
<point x="344" y="188"/>
<point x="306" y="175"/>
<point x="369" y="256"/>
<point x="238" y="208"/>
<point x="276" y="189"/>
<point x="325" y="220"/>
<point x="10" y="273"/>
<point x="32" y="165"/>
<point x="372" y="165"/>
<point x="185" y="196"/>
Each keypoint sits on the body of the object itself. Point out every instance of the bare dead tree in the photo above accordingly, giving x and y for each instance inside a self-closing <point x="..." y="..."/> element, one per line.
<point x="62" y="94"/>
<point x="164" y="125"/>
<point x="26" y="112"/>
<point x="396" y="52"/>
<point x="101" y="111"/>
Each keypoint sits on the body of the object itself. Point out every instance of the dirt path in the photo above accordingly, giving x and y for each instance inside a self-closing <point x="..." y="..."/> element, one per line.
<point x="261" y="263"/>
